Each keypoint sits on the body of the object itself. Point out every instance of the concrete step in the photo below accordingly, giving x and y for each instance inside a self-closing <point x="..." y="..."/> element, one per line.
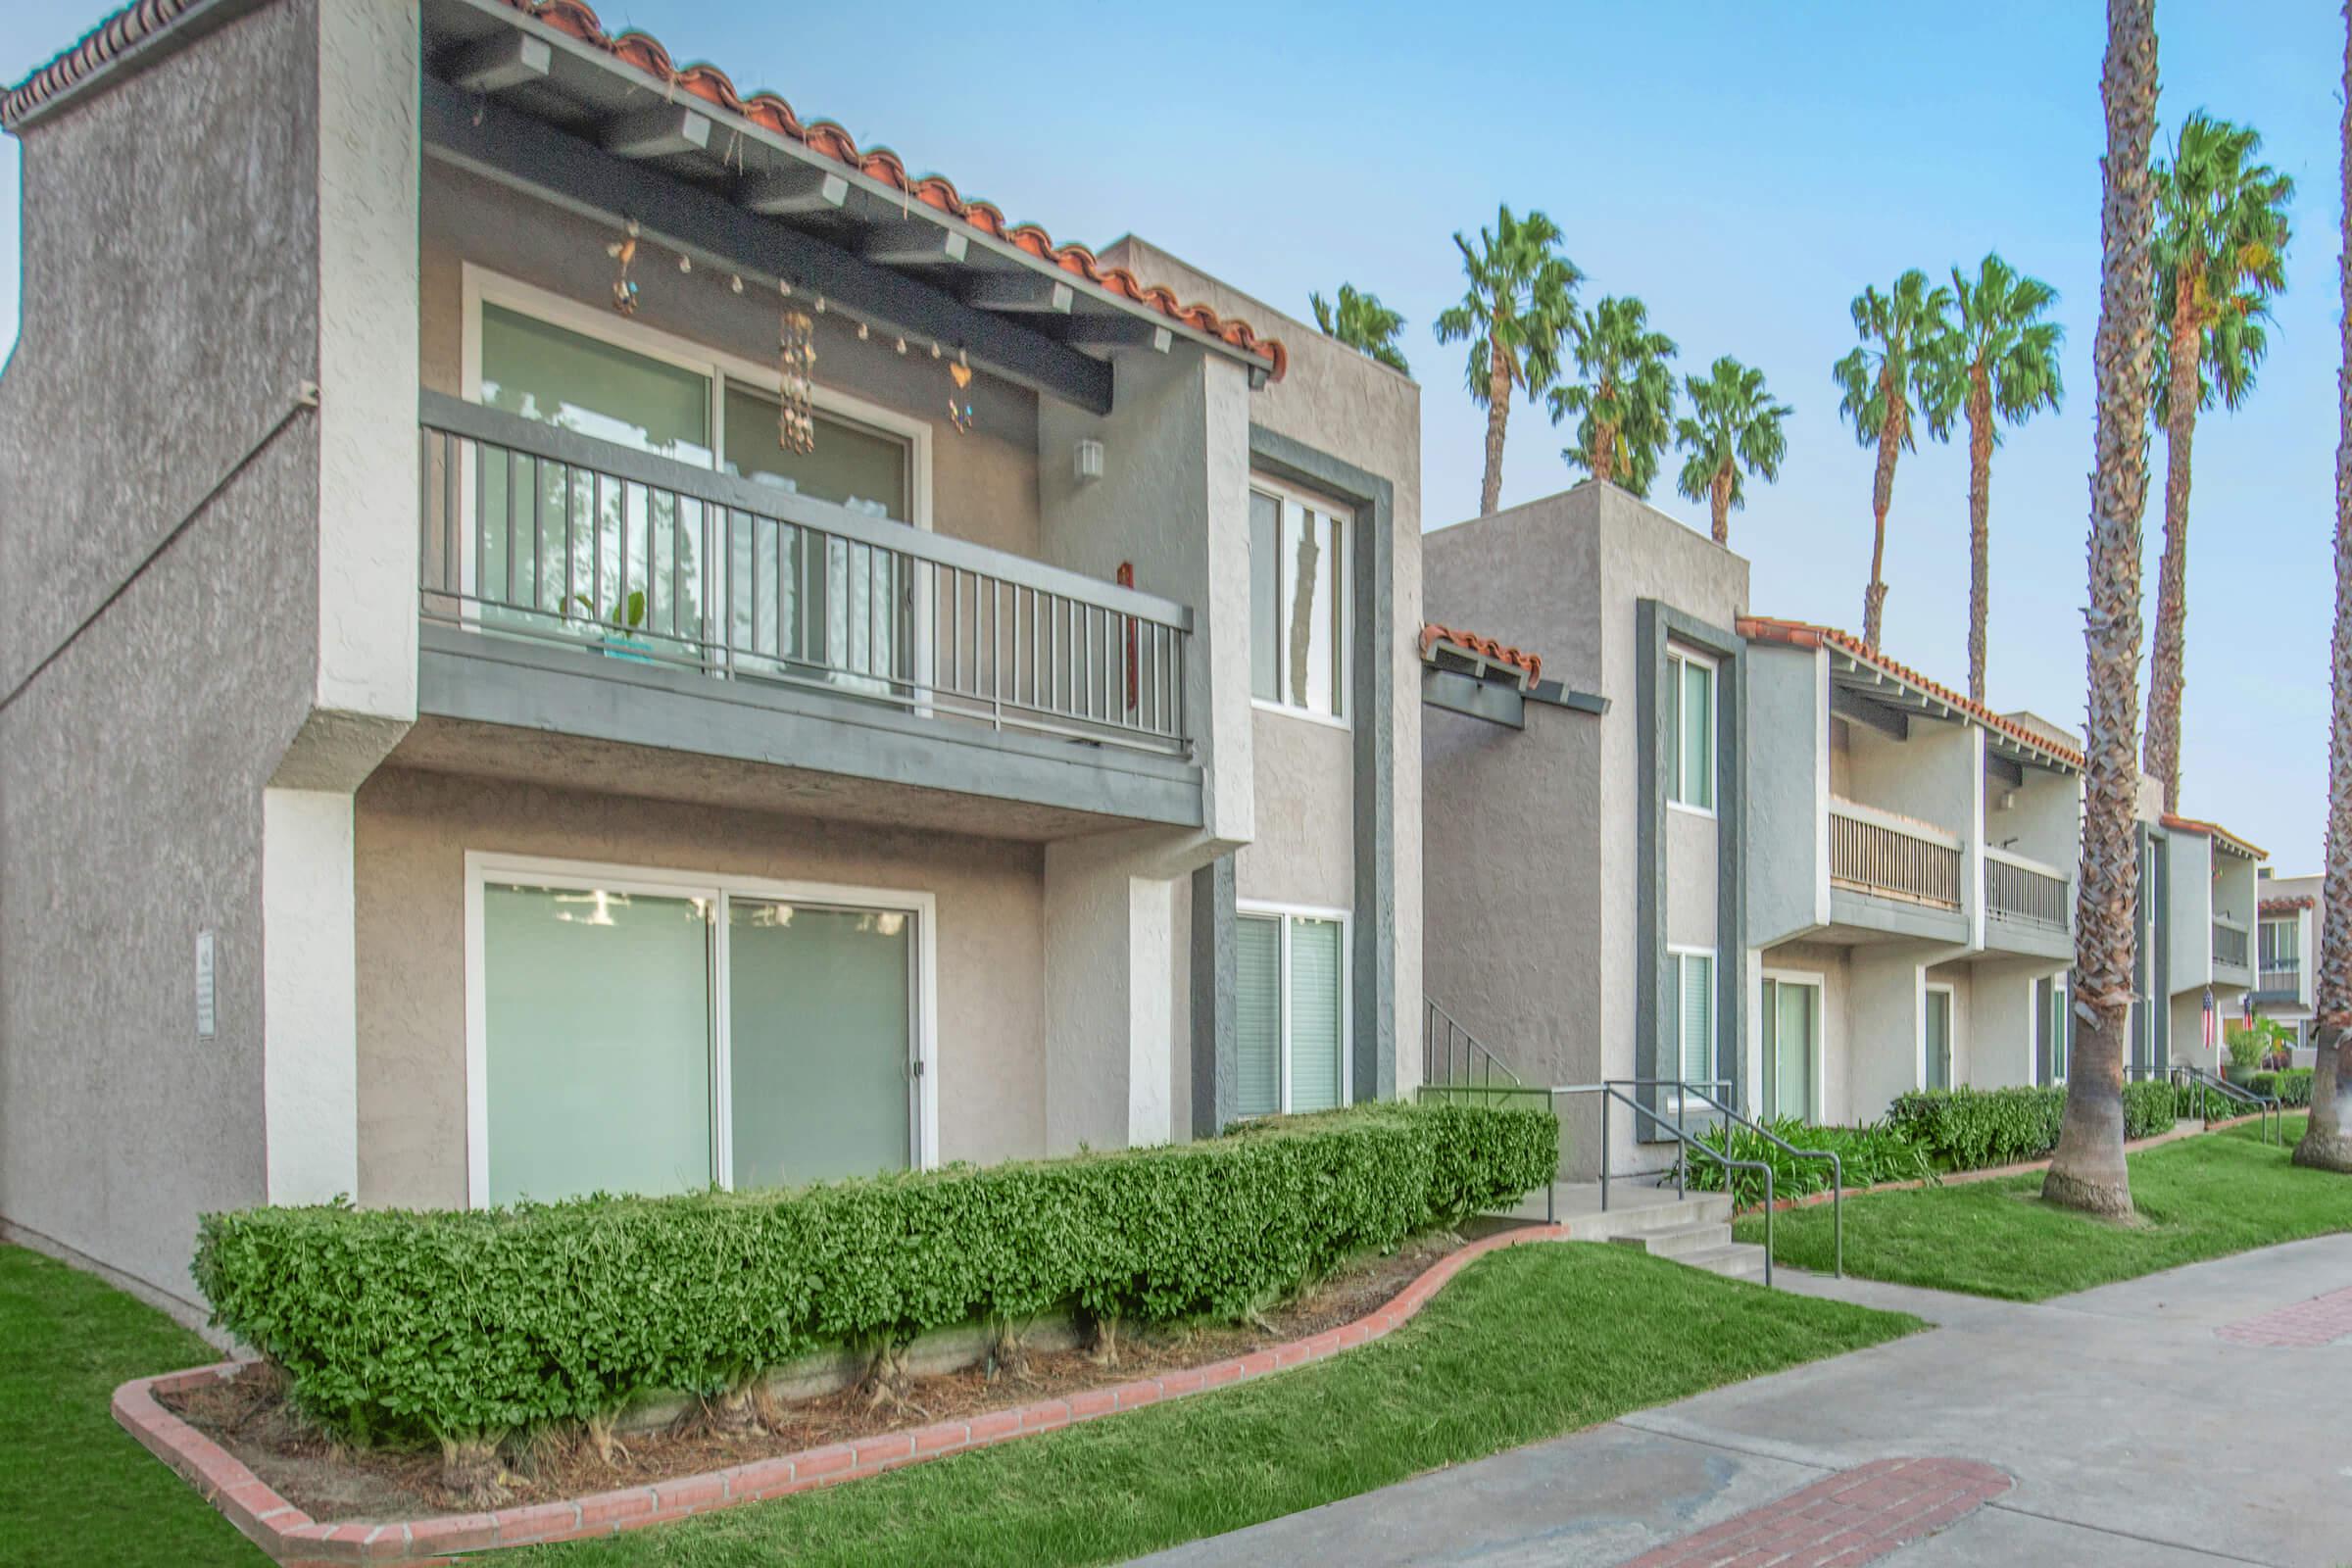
<point x="1632" y="1207"/>
<point x="1678" y="1241"/>
<point x="1737" y="1260"/>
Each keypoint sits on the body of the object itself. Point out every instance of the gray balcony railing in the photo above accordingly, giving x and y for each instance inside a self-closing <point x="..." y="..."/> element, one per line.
<point x="1875" y="851"/>
<point x="2281" y="977"/>
<point x="534" y="532"/>
<point x="2228" y="943"/>
<point x="2027" y="892"/>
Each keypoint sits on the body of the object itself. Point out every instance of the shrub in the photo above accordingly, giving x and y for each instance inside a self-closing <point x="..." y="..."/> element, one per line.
<point x="2291" y="1087"/>
<point x="1970" y="1129"/>
<point x="468" y="1325"/>
<point x="1869" y="1156"/>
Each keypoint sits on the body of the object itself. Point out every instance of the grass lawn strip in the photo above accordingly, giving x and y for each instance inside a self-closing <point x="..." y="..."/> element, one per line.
<point x="2198" y="1199"/>
<point x="74" y="1486"/>
<point x="1526" y="1344"/>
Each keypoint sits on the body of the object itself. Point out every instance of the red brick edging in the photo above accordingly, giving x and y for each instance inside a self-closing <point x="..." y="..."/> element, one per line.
<point x="2306" y="1325"/>
<point x="294" y="1538"/>
<point x="1854" y="1517"/>
<point x="1961" y="1178"/>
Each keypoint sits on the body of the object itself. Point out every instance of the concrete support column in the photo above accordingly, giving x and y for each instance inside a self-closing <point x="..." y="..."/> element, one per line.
<point x="1111" y="951"/>
<point x="310" y="1040"/>
<point x="1214" y="1078"/>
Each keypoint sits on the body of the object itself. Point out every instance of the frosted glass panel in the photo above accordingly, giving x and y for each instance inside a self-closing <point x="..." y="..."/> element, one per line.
<point x="597" y="1012"/>
<point x="1265" y="616"/>
<point x="1699" y="1020"/>
<point x="1791" y="1015"/>
<point x="1315" y="1003"/>
<point x="1939" y="1038"/>
<point x="1696" y="717"/>
<point x="1258" y="1009"/>
<point x="820" y="1011"/>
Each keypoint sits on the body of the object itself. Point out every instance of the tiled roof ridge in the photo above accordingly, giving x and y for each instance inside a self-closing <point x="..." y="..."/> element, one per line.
<point x="772" y="111"/>
<point x="2285" y="906"/>
<point x="1808" y="634"/>
<point x="117" y="35"/>
<point x="1487" y="646"/>
<point x="2191" y="824"/>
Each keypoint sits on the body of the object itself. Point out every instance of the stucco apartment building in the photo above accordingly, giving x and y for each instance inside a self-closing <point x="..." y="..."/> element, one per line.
<point x="1726" y="848"/>
<point x="2286" y="953"/>
<point x="632" y="643"/>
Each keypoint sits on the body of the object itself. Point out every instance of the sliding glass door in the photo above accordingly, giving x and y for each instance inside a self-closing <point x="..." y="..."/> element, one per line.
<point x="1792" y="1025"/>
<point x="634" y="1035"/>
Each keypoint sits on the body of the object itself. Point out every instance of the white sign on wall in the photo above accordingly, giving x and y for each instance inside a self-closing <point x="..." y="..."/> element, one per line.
<point x="203" y="985"/>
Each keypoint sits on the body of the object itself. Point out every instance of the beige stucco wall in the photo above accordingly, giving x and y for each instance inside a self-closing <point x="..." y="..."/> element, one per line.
<point x="1304" y="852"/>
<point x="414" y="830"/>
<point x="983" y="483"/>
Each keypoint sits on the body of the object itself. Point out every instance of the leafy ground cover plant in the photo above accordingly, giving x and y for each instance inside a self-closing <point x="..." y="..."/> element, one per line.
<point x="1879" y="1152"/>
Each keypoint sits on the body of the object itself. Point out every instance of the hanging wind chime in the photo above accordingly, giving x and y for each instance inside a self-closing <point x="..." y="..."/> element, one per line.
<point x="796" y="378"/>
<point x="625" y="287"/>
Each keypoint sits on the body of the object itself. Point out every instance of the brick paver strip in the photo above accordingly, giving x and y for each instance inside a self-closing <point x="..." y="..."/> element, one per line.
<point x="297" y="1540"/>
<point x="2322" y="1321"/>
<point x="1855" y="1516"/>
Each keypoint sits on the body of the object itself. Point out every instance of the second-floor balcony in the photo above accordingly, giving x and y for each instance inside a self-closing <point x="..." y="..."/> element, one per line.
<point x="2028" y="893"/>
<point x="2279" y="977"/>
<point x="550" y="549"/>
<point x="2231" y="943"/>
<point x="1891" y="857"/>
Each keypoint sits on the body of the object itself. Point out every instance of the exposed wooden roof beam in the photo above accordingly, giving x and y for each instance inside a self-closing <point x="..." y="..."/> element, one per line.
<point x="799" y="188"/>
<point x="1021" y="291"/>
<point x="658" y="133"/>
<point x="509" y="60"/>
<point x="915" y="244"/>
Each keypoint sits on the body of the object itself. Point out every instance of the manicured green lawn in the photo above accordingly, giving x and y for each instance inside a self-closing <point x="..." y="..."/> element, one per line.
<point x="2198" y="1199"/>
<point x="1525" y="1343"/>
<point x="73" y="1487"/>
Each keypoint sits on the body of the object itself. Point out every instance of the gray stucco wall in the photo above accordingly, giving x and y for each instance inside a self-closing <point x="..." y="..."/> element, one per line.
<point x="169" y="242"/>
<point x="413" y="831"/>
<point x="1787" y="793"/>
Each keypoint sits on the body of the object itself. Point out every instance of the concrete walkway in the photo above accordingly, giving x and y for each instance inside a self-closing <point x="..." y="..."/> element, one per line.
<point x="2137" y="1436"/>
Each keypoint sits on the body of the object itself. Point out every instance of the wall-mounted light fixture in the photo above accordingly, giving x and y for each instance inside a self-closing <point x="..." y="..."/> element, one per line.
<point x="1087" y="461"/>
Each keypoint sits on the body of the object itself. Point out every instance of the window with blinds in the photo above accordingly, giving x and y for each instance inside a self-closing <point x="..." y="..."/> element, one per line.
<point x="1291" y="997"/>
<point x="1695" y="1017"/>
<point x="2050" y="1024"/>
<point x="1690" y="695"/>
<point x="1938" y="1018"/>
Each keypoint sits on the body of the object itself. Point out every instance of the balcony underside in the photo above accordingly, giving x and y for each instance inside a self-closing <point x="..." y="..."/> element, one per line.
<point x="1857" y="918"/>
<point x="502" y="707"/>
<point x="2031" y="937"/>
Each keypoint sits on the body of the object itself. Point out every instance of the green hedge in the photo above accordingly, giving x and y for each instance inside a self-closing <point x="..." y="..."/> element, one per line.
<point x="2292" y="1086"/>
<point x="465" y="1325"/>
<point x="1970" y="1129"/>
<point x="1867" y="1156"/>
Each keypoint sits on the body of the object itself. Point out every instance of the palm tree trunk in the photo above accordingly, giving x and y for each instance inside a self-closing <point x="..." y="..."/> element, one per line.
<point x="1720" y="495"/>
<point x="1980" y="531"/>
<point x="1498" y="415"/>
<point x="2327" y="1141"/>
<point x="1604" y="453"/>
<point x="1882" y="497"/>
<point x="2087" y="1170"/>
<point x="2166" y="675"/>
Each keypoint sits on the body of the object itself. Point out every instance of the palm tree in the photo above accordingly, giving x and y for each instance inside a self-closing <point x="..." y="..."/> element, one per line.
<point x="1364" y="325"/>
<point x="2326" y="1141"/>
<point x="2221" y="242"/>
<point x="1999" y="362"/>
<point x="1878" y="383"/>
<point x="2087" y="1170"/>
<point x="1733" y="425"/>
<point x="1625" y="403"/>
<point x="1517" y="312"/>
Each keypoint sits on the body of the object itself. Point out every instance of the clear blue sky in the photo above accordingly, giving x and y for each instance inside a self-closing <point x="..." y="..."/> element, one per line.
<point x="1745" y="170"/>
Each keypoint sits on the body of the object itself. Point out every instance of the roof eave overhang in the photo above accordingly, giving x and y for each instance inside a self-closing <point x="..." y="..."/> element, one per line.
<point x="1867" y="682"/>
<point x="495" y="53"/>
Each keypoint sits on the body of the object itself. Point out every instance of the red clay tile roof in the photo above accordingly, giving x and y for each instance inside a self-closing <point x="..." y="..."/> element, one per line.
<point x="711" y="85"/>
<point x="1471" y="642"/>
<point x="2215" y="831"/>
<point x="2301" y="901"/>
<point x="117" y="35"/>
<point x="1805" y="634"/>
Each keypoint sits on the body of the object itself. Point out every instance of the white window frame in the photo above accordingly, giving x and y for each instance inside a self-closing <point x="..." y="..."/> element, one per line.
<point x="1283" y="915"/>
<point x="1343" y="522"/>
<point x="1817" y="1096"/>
<point x="483" y="867"/>
<point x="1952" y="1032"/>
<point x="2038" y="1021"/>
<point x="1677" y="654"/>
<point x="1676" y="952"/>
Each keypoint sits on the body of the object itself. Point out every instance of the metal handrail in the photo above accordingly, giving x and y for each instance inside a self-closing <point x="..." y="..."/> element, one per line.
<point x="2270" y="1107"/>
<point x="1837" y="1174"/>
<point x="1608" y="1088"/>
<point x="1479" y="1063"/>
